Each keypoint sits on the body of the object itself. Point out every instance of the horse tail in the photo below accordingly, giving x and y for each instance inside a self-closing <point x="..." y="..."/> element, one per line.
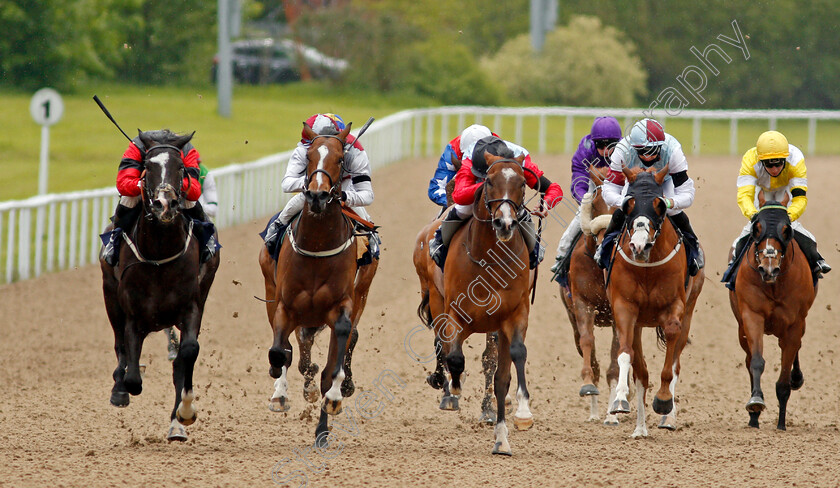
<point x="424" y="311"/>
<point x="660" y="338"/>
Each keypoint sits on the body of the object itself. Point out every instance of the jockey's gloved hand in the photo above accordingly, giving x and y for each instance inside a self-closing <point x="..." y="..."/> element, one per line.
<point x="343" y="196"/>
<point x="553" y="195"/>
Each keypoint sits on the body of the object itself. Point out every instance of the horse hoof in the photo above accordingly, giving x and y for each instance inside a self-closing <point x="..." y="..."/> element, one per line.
<point x="186" y="421"/>
<point x="523" y="424"/>
<point x="589" y="390"/>
<point x="173" y="353"/>
<point x="488" y="417"/>
<point x="796" y="381"/>
<point x="134" y="388"/>
<point x="177" y="432"/>
<point x="502" y="451"/>
<point x="663" y="407"/>
<point x="781" y="427"/>
<point x="667" y="423"/>
<point x="449" y="403"/>
<point x="332" y="407"/>
<point x="611" y="421"/>
<point x="311" y="393"/>
<point x="756" y="405"/>
<point x="347" y="387"/>
<point x="619" y="406"/>
<point x="120" y="399"/>
<point x="279" y="404"/>
<point x="435" y="381"/>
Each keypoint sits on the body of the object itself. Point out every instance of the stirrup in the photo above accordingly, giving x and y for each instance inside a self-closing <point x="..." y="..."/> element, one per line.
<point x="822" y="267"/>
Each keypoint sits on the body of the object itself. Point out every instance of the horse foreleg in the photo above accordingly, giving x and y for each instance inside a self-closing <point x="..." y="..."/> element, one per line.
<point x="501" y="384"/>
<point x="612" y="378"/>
<point x="335" y="368"/>
<point x="640" y="372"/>
<point x="585" y="335"/>
<point x="133" y="347"/>
<point x="753" y="325"/>
<point x="184" y="413"/>
<point x="308" y="369"/>
<point x="523" y="419"/>
<point x="790" y="344"/>
<point x="280" y="359"/>
<point x="489" y="361"/>
<point x="663" y="400"/>
<point x="625" y="319"/>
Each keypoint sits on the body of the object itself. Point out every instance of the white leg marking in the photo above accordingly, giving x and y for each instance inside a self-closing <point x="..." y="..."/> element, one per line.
<point x="185" y="409"/>
<point x="281" y="386"/>
<point x="641" y="426"/>
<point x="673" y="388"/>
<point x="623" y="374"/>
<point x="611" y="418"/>
<point x="593" y="408"/>
<point x="502" y="444"/>
<point x="523" y="411"/>
<point x="334" y="392"/>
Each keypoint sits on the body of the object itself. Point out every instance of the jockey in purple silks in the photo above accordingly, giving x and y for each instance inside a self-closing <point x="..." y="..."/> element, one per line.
<point x="594" y="150"/>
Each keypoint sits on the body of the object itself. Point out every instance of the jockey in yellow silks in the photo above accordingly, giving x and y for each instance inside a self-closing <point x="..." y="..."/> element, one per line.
<point x="777" y="168"/>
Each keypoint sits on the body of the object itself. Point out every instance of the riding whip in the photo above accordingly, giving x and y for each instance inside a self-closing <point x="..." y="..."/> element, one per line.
<point x="108" y="114"/>
<point x="362" y="130"/>
<point x="539" y="239"/>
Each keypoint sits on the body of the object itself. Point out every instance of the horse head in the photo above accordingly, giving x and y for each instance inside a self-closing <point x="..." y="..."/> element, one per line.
<point x="163" y="173"/>
<point x="645" y="209"/>
<point x="504" y="193"/>
<point x="324" y="167"/>
<point x="772" y="232"/>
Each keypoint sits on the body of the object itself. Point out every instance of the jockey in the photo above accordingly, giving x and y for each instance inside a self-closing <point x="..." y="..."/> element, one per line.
<point x="357" y="191"/>
<point x="209" y="199"/>
<point x="454" y="151"/>
<point x="471" y="176"/>
<point x="128" y="184"/>
<point x="594" y="150"/>
<point x="647" y="145"/>
<point x="778" y="169"/>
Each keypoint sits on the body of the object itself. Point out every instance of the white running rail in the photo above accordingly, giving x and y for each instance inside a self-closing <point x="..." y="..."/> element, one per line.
<point x="60" y="231"/>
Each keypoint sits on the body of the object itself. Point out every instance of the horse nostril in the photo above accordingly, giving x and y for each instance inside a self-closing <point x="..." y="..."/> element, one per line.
<point x="157" y="204"/>
<point x="174" y="204"/>
<point x="497" y="223"/>
<point x="648" y="246"/>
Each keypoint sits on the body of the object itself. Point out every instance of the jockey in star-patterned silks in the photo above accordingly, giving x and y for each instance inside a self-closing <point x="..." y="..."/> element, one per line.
<point x="778" y="169"/>
<point x="647" y="145"/>
<point x="471" y="176"/>
<point x="129" y="178"/>
<point x="446" y="170"/>
<point x="356" y="187"/>
<point x="594" y="150"/>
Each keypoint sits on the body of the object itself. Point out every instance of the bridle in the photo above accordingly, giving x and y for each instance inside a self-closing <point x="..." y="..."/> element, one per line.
<point x="335" y="186"/>
<point x="517" y="207"/>
<point x="149" y="197"/>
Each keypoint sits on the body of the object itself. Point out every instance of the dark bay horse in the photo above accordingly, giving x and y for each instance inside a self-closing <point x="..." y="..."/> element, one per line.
<point x="486" y="283"/>
<point x="773" y="293"/>
<point x="648" y="287"/>
<point x="315" y="284"/>
<point x="586" y="301"/>
<point x="159" y="281"/>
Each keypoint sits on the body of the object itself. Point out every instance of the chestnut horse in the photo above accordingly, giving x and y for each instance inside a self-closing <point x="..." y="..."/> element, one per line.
<point x="159" y="281"/>
<point x="649" y="287"/>
<point x="773" y="293"/>
<point x="486" y="283"/>
<point x="586" y="301"/>
<point x="314" y="283"/>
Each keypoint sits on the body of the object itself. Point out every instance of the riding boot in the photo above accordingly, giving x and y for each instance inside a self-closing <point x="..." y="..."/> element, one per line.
<point x="273" y="234"/>
<point x="682" y="223"/>
<point x="124" y="219"/>
<point x="732" y="268"/>
<point x="196" y="212"/>
<point x="438" y="246"/>
<point x="532" y="242"/>
<point x="605" y="248"/>
<point x="564" y="248"/>
<point x="809" y="249"/>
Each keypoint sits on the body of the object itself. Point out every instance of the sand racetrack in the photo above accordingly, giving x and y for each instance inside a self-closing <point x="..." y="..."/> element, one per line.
<point x="56" y="358"/>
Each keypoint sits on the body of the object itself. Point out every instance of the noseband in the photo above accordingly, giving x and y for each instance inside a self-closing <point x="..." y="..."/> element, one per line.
<point x="164" y="186"/>
<point x="517" y="207"/>
<point x="334" y="185"/>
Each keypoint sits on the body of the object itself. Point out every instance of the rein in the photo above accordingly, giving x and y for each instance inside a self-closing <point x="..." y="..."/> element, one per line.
<point x="159" y="262"/>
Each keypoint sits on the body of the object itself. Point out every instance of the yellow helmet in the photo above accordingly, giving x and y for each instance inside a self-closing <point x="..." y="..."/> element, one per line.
<point x="772" y="145"/>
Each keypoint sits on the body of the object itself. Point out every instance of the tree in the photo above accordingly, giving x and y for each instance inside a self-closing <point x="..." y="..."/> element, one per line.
<point x="583" y="63"/>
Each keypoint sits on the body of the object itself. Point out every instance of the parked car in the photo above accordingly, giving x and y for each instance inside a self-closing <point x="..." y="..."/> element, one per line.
<point x="261" y="61"/>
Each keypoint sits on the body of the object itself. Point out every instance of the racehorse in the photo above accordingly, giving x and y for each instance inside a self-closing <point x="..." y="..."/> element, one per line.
<point x="314" y="284"/>
<point x="586" y="301"/>
<point x="773" y="293"/>
<point x="649" y="286"/>
<point x="486" y="282"/>
<point x="159" y="281"/>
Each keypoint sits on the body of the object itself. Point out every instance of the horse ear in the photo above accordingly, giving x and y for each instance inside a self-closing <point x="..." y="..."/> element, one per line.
<point x="661" y="174"/>
<point x="629" y="175"/>
<point x="761" y="199"/>
<point x="660" y="206"/>
<point x="627" y="205"/>
<point x="755" y="232"/>
<point x="489" y="158"/>
<point x="182" y="141"/>
<point x="521" y="160"/>
<point x="787" y="233"/>
<point x="145" y="139"/>
<point x="344" y="132"/>
<point x="308" y="132"/>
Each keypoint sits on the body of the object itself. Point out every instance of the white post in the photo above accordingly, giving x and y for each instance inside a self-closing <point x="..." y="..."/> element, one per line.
<point x="812" y="136"/>
<point x="733" y="136"/>
<point x="45" y="156"/>
<point x="696" y="136"/>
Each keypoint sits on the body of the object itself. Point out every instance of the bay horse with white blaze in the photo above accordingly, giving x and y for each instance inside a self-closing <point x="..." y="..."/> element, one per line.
<point x="586" y="301"/>
<point x="773" y="292"/>
<point x="486" y="283"/>
<point x="649" y="286"/>
<point x="159" y="281"/>
<point x="314" y="283"/>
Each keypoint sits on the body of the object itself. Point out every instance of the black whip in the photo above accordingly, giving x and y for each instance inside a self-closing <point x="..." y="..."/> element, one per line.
<point x="108" y="114"/>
